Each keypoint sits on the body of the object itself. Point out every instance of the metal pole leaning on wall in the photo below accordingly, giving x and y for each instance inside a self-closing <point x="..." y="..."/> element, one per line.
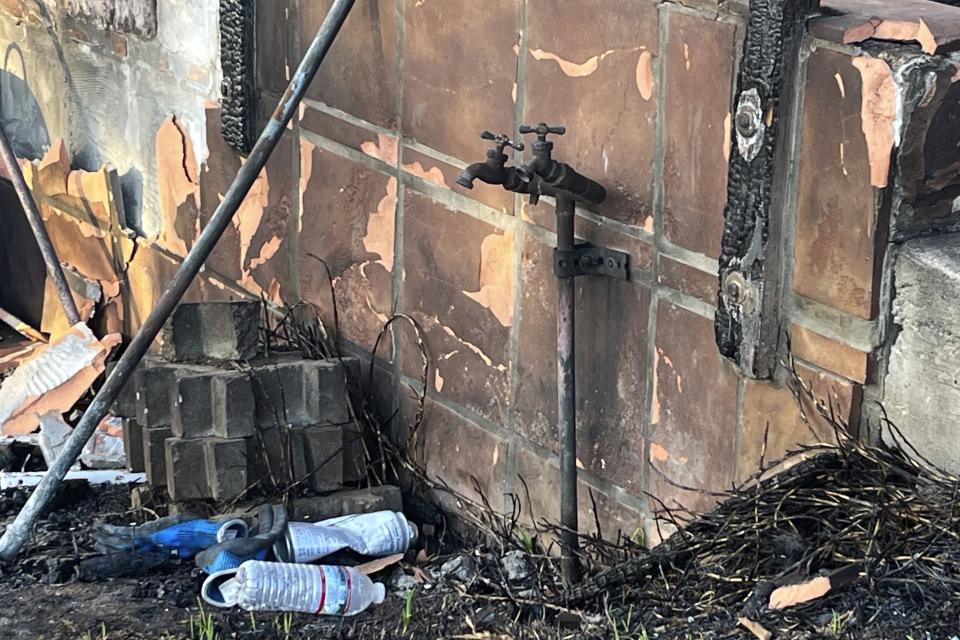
<point x="16" y="533"/>
<point x="39" y="230"/>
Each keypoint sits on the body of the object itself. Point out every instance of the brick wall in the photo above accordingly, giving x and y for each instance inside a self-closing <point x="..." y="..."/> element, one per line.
<point x="364" y="181"/>
<point x="645" y="90"/>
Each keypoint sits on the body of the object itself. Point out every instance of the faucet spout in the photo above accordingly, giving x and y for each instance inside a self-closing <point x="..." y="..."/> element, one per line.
<point x="492" y="171"/>
<point x="471" y="173"/>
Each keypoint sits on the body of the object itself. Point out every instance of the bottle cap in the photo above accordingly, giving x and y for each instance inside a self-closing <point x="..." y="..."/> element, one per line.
<point x="379" y="592"/>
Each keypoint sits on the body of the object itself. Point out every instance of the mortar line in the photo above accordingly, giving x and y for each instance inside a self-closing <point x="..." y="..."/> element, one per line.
<point x="650" y="360"/>
<point x="787" y="300"/>
<point x="738" y="427"/>
<point x="296" y="214"/>
<point x="519" y="236"/>
<point x="593" y="481"/>
<point x="396" y="281"/>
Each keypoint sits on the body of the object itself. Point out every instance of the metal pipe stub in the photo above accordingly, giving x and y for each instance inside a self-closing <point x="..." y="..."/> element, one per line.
<point x="567" y="398"/>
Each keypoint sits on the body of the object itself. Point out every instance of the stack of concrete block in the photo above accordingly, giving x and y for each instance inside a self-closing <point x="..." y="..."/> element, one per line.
<point x="204" y="429"/>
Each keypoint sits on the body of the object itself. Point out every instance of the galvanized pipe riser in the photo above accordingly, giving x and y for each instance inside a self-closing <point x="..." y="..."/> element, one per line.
<point x="16" y="533"/>
<point x="567" y="397"/>
<point x="39" y="230"/>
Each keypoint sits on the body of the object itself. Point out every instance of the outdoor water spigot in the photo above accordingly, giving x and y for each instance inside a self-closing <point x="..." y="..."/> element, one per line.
<point x="502" y="141"/>
<point x="494" y="170"/>
<point x="542" y="130"/>
<point x="558" y="175"/>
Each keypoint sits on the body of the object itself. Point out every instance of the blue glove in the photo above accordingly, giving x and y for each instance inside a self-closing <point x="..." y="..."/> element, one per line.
<point x="230" y="554"/>
<point x="181" y="534"/>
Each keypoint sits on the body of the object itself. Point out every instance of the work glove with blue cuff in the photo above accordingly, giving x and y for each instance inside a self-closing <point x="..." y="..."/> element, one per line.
<point x="182" y="534"/>
<point x="230" y="554"/>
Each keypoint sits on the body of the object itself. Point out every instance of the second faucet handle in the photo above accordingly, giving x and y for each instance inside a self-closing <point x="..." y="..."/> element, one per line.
<point x="542" y="130"/>
<point x="502" y="140"/>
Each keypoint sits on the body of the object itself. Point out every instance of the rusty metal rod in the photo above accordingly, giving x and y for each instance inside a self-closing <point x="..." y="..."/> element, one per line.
<point x="16" y="533"/>
<point x="567" y="397"/>
<point x="39" y="230"/>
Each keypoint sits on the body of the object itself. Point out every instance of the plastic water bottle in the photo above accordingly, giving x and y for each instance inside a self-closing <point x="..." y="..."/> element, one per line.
<point x="382" y="533"/>
<point x="278" y="586"/>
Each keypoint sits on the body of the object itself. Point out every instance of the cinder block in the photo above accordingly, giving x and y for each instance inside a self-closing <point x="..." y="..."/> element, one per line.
<point x="265" y="457"/>
<point x="186" y="469"/>
<point x="383" y="498"/>
<point x="154" y="389"/>
<point x="133" y="445"/>
<point x="334" y="393"/>
<point x="125" y="405"/>
<point x="354" y="453"/>
<point x="182" y="335"/>
<point x="214" y="403"/>
<point x="323" y="457"/>
<point x="287" y="393"/>
<point x="227" y="330"/>
<point x="191" y="415"/>
<point x="301" y="393"/>
<point x="234" y="406"/>
<point x="154" y="454"/>
<point x="226" y="465"/>
<point x="276" y="456"/>
<point x="343" y="503"/>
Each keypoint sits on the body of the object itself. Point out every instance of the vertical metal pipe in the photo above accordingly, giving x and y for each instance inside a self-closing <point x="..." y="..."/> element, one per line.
<point x="16" y="533"/>
<point x="566" y="397"/>
<point x="39" y="231"/>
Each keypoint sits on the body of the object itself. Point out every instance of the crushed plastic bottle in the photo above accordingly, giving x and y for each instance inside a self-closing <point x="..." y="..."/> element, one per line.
<point x="382" y="533"/>
<point x="279" y="586"/>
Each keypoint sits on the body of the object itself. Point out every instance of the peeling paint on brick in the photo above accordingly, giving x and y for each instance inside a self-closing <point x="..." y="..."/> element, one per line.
<point x="381" y="227"/>
<point x="573" y="69"/>
<point x="655" y="404"/>
<point x="250" y="214"/>
<point x="433" y="174"/>
<point x="306" y="171"/>
<point x="658" y="453"/>
<point x="727" y="136"/>
<point x="496" y="279"/>
<point x="878" y="113"/>
<point x="386" y="149"/>
<point x="645" y="82"/>
<point x="178" y="182"/>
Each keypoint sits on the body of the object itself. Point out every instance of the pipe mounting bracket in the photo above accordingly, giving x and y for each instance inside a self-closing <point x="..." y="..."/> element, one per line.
<point x="587" y="260"/>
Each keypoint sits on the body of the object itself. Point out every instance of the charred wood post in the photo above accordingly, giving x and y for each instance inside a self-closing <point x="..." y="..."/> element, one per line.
<point x="17" y="531"/>
<point x="238" y="88"/>
<point x="747" y="322"/>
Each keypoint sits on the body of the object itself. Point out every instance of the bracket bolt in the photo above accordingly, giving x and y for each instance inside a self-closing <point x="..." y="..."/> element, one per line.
<point x="735" y="287"/>
<point x="746" y="126"/>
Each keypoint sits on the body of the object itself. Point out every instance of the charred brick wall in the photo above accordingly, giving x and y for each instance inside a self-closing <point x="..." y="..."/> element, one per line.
<point x="645" y="91"/>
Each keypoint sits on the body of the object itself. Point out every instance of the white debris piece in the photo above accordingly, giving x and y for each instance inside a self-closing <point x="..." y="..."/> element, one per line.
<point x="9" y="480"/>
<point x="53" y="379"/>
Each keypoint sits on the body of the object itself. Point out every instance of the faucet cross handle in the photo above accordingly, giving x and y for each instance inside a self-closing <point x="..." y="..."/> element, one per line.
<point x="542" y="130"/>
<point x="502" y="140"/>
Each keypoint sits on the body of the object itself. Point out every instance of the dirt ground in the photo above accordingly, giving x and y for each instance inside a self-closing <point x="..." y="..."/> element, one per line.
<point x="887" y="521"/>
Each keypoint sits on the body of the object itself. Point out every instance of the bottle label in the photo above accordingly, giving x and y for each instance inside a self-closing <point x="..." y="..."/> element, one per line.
<point x="382" y="533"/>
<point x="309" y="542"/>
<point x="335" y="590"/>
